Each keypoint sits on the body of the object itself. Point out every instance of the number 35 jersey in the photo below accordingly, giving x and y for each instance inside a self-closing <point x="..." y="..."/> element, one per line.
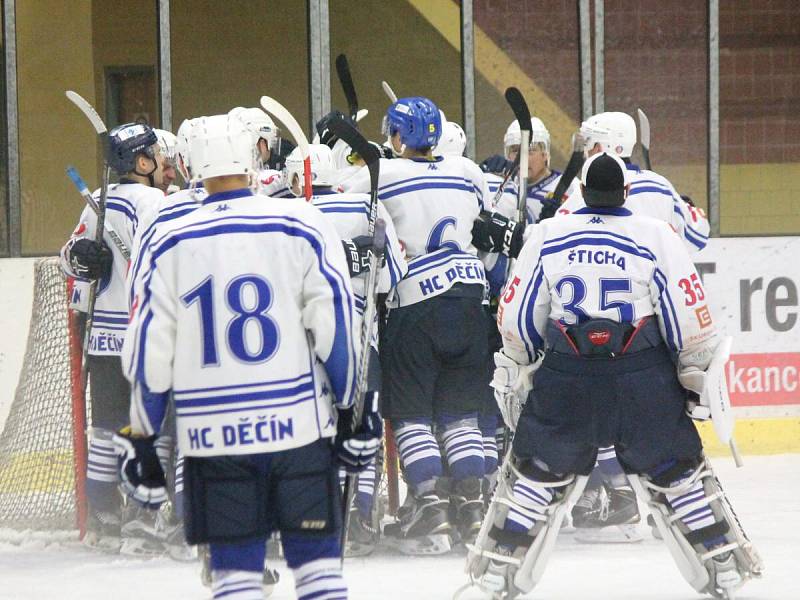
<point x="604" y="263"/>
<point x="246" y="314"/>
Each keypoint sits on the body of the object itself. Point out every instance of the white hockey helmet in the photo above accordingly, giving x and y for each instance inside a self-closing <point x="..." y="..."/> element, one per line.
<point x="221" y="145"/>
<point x="259" y="123"/>
<point x="322" y="171"/>
<point x="182" y="158"/>
<point x="339" y="154"/>
<point x="539" y="135"/>
<point x="453" y="140"/>
<point x="167" y="142"/>
<point x="614" y="131"/>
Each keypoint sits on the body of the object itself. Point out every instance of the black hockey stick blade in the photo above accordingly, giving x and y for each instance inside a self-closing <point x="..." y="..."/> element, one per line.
<point x="573" y="166"/>
<point x="346" y="79"/>
<point x="520" y="108"/>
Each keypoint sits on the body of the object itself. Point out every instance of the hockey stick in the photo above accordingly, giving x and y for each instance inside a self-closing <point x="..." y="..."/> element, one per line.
<point x="277" y="110"/>
<point x="83" y="190"/>
<point x="644" y="136"/>
<point x="523" y="115"/>
<point x="102" y="133"/>
<point x="346" y="79"/>
<point x="387" y="89"/>
<point x="376" y="229"/>
<point x="573" y="167"/>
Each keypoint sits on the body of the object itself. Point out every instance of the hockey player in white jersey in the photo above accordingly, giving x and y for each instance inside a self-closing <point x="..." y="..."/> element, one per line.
<point x="595" y="313"/>
<point x="168" y="143"/>
<point x="246" y="318"/>
<point x="434" y="353"/>
<point x="349" y="214"/>
<point x="608" y="510"/>
<point x="542" y="180"/>
<point x="269" y="181"/>
<point x="651" y="194"/>
<point x="134" y="154"/>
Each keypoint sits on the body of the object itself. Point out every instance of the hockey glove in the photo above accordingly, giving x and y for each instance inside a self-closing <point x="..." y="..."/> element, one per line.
<point x="693" y="380"/>
<point x="549" y="208"/>
<point x="512" y="382"/>
<point x="141" y="475"/>
<point x="326" y="136"/>
<point x="90" y="259"/>
<point x="359" y="252"/>
<point x="496" y="164"/>
<point x="493" y="232"/>
<point x="357" y="449"/>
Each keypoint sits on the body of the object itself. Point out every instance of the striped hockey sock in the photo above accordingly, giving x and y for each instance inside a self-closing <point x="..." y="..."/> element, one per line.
<point x="320" y="579"/>
<point x="366" y="490"/>
<point x="530" y="501"/>
<point x="693" y="506"/>
<point x="419" y="452"/>
<point x="237" y="585"/>
<point x="101" y="472"/>
<point x="463" y="446"/>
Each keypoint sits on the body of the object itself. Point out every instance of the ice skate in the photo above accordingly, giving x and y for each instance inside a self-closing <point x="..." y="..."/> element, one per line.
<point x="423" y="528"/>
<point x="140" y="535"/>
<point x="725" y="575"/>
<point x="362" y="537"/>
<point x="607" y="515"/>
<point x="467" y="508"/>
<point x="103" y="531"/>
<point x="269" y="580"/>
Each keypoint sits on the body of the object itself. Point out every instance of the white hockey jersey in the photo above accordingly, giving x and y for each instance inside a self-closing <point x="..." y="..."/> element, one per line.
<point x="270" y="182"/>
<point x="508" y="196"/>
<point x="537" y="193"/>
<point x="603" y="263"/>
<point x="128" y="206"/>
<point x="172" y="207"/>
<point x="246" y="316"/>
<point x="433" y="204"/>
<point x="654" y="196"/>
<point x="349" y="214"/>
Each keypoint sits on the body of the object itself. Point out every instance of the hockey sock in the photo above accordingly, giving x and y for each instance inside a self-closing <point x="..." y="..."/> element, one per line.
<point x="463" y="446"/>
<point x="101" y="473"/>
<point x="491" y="457"/>
<point x="366" y="491"/>
<point x="419" y="453"/>
<point x="237" y="585"/>
<point x="178" y="508"/>
<point x="692" y="503"/>
<point x="530" y="501"/>
<point x="610" y="468"/>
<point x="320" y="579"/>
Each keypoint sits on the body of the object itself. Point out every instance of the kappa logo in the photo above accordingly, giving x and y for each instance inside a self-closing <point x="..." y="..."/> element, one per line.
<point x="432" y="167"/>
<point x="222" y="207"/>
<point x="595" y="220"/>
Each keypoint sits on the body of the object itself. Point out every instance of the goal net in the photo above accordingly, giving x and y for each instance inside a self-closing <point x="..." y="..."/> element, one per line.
<point x="42" y="445"/>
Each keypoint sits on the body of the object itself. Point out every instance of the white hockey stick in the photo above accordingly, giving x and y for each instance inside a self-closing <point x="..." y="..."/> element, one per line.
<point x="277" y="110"/>
<point x="102" y="133"/>
<point x="362" y="112"/>
<point x="387" y="89"/>
<point x="644" y="136"/>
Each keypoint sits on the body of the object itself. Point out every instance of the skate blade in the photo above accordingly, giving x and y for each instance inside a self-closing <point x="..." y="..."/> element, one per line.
<point x="182" y="552"/>
<point x="108" y="545"/>
<point x="142" y="548"/>
<point x="429" y="545"/>
<point x="614" y="534"/>
<point x="480" y="593"/>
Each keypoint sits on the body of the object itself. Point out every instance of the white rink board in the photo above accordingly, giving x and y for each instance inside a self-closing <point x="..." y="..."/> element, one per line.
<point x="643" y="571"/>
<point x="16" y="299"/>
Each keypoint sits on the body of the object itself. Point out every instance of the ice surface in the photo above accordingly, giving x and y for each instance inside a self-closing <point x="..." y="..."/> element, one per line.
<point x="765" y="494"/>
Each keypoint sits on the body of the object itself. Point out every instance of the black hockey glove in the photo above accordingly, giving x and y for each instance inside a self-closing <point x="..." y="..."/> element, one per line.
<point x="359" y="252"/>
<point x="90" y="259"/>
<point x="496" y="164"/>
<point x="492" y="232"/>
<point x="326" y="136"/>
<point x="687" y="199"/>
<point x="357" y="449"/>
<point x="141" y="476"/>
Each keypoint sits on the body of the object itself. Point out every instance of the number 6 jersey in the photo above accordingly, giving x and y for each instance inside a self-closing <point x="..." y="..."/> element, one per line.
<point x="604" y="263"/>
<point x="244" y="313"/>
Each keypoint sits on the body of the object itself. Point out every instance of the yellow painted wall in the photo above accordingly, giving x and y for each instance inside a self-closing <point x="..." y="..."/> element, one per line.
<point x="54" y="53"/>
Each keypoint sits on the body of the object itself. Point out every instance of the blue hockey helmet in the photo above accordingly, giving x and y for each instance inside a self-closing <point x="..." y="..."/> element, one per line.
<point x="126" y="142"/>
<point x="416" y="119"/>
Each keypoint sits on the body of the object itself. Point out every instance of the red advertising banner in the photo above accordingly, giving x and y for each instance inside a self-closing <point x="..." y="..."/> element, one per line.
<point x="764" y="379"/>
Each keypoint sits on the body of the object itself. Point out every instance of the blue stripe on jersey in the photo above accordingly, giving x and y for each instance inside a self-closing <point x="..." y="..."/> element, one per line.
<point x="697" y="239"/>
<point x="98" y="319"/>
<point x="441" y="185"/>
<point x="122" y="208"/>
<point x="343" y="209"/>
<point x="242" y="386"/>
<point x="124" y="201"/>
<point x="675" y="340"/>
<point x="649" y="189"/>
<point x="118" y="313"/>
<point x="182" y="412"/>
<point x="435" y="259"/>
<point x="342" y="355"/>
<point x="455" y="178"/>
<point x="646" y="252"/>
<point x="530" y="337"/>
<point x="276" y="392"/>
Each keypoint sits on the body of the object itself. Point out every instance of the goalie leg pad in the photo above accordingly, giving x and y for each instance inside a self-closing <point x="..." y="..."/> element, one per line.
<point x="520" y="528"/>
<point x="698" y="525"/>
